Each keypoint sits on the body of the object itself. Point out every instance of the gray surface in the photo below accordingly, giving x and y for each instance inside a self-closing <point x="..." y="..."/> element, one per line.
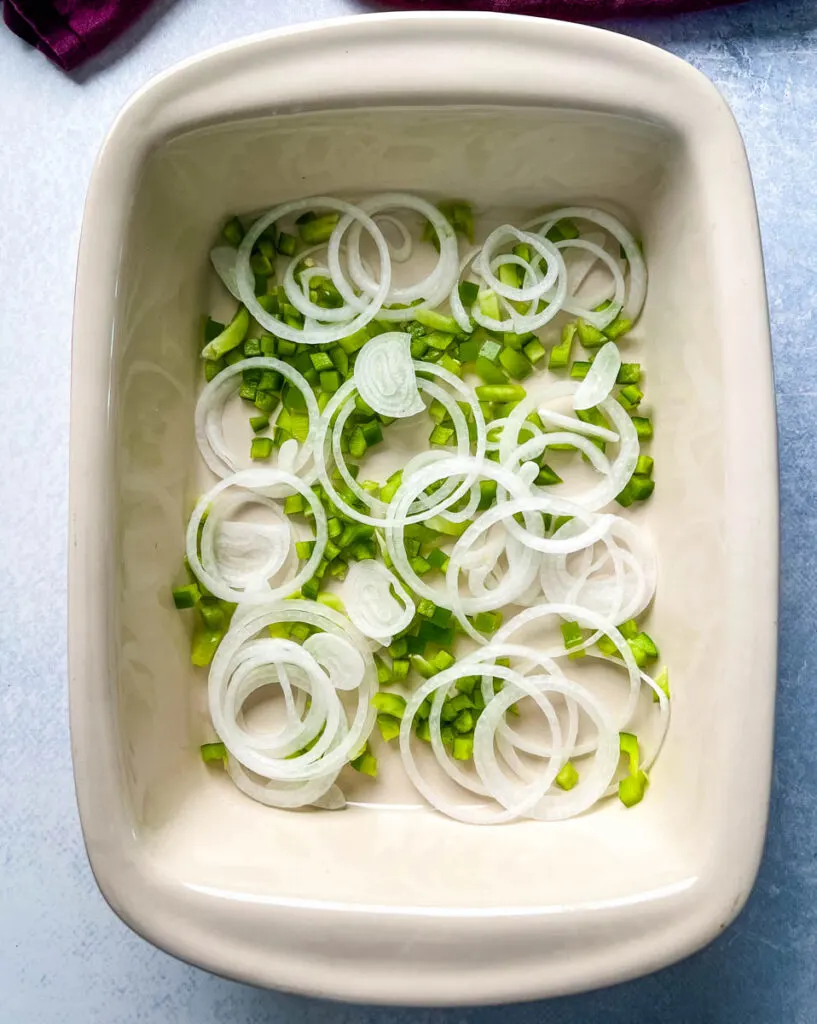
<point x="65" y="957"/>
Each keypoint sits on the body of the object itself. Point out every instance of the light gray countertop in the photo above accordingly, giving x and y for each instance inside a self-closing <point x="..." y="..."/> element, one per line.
<point x="65" y="957"/>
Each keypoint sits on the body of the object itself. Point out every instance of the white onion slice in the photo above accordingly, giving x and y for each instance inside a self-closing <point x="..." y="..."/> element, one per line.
<point x="622" y="466"/>
<point x="598" y="318"/>
<point x="259" y="480"/>
<point x="479" y="815"/>
<point x="626" y="594"/>
<point x="316" y="333"/>
<point x="432" y="289"/>
<point x="545" y="251"/>
<point x="376" y="601"/>
<point x="223" y="258"/>
<point x="233" y="550"/>
<point x="600" y="625"/>
<point x="400" y="252"/>
<point x="339" y="658"/>
<point x="282" y="794"/>
<point x="558" y="805"/>
<point x="600" y="379"/>
<point x="210" y="413"/>
<point x="442" y="499"/>
<point x="385" y="378"/>
<point x="339" y="741"/>
<point x="556" y="419"/>
<point x="638" y="269"/>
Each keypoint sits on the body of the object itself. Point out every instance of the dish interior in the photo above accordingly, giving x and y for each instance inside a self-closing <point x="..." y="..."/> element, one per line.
<point x="386" y="849"/>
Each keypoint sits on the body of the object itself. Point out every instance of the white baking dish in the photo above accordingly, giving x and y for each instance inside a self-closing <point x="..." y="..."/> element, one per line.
<point x="401" y="905"/>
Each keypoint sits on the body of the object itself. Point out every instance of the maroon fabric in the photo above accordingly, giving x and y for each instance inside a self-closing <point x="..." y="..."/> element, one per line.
<point x="70" y="31"/>
<point x="569" y="10"/>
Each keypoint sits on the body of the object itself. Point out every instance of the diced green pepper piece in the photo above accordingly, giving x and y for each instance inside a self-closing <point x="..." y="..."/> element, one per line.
<point x="204" y="645"/>
<point x="293" y="504"/>
<point x="469" y="350"/>
<point x="487" y="372"/>
<point x="233" y="232"/>
<point x="644" y="466"/>
<point x="435" y="321"/>
<point x="568" y="776"/>
<point x="422" y="730"/>
<point x="662" y="682"/>
<point x="560" y="354"/>
<point x="389" y="727"/>
<point x="463" y="749"/>
<point x="319" y="230"/>
<point x="340" y="360"/>
<point x="500" y="393"/>
<point x="644" y="649"/>
<point x="230" y="338"/>
<point x="589" y="336"/>
<point x="437" y="559"/>
<point x="212" y="368"/>
<point x="625" y="497"/>
<point x="261" y="448"/>
<point x="389" y="704"/>
<point x="643" y="427"/>
<point x="579" y="370"/>
<point x="628" y="745"/>
<point x="261" y="267"/>
<point x="630" y="396"/>
<point x="629" y="373"/>
<point x="517" y="365"/>
<point x="212" y="753"/>
<point x="441" y="435"/>
<point x="487" y="622"/>
<point x="442" y="660"/>
<point x="419" y="565"/>
<point x="365" y="763"/>
<point x="400" y="669"/>
<point x="631" y="790"/>
<point x="303" y="549"/>
<point x="534" y="350"/>
<point x="422" y="666"/>
<point x="187" y="596"/>
<point x="330" y="381"/>
<point x="213" y="613"/>
<point x="287" y="244"/>
<point x="321" y="360"/>
<point x="490" y="350"/>
<point x="332" y="601"/>
<point x="621" y="325"/>
<point x="573" y="637"/>
<point x="510" y="275"/>
<point x="469" y="293"/>
<point x="641" y="487"/>
<point x="489" y="305"/>
<point x="357" y="443"/>
<point x="562" y="230"/>
<point x="547" y="477"/>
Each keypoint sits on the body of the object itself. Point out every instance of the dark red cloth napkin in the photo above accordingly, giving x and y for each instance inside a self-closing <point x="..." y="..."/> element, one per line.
<point x="568" y="10"/>
<point x="70" y="31"/>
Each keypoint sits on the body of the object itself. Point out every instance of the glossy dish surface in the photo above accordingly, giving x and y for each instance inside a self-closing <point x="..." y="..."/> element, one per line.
<point x="375" y="903"/>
